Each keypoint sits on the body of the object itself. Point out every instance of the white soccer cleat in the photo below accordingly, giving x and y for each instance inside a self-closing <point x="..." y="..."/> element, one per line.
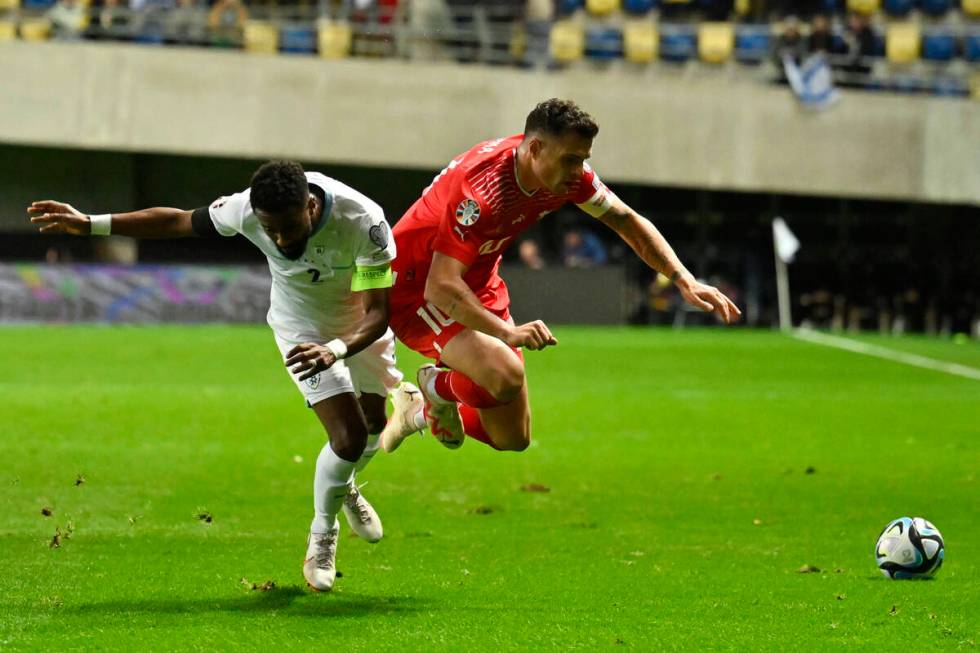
<point x="320" y="565"/>
<point x="407" y="417"/>
<point x="361" y="516"/>
<point x="441" y="416"/>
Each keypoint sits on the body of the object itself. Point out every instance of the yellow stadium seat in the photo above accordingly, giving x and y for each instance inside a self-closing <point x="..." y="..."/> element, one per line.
<point x="517" y="47"/>
<point x="567" y="41"/>
<point x="864" y="7"/>
<point x="716" y="42"/>
<point x="35" y="29"/>
<point x="8" y="30"/>
<point x="9" y="5"/>
<point x="640" y="41"/>
<point x="601" y="7"/>
<point x="261" y="37"/>
<point x="742" y="7"/>
<point x="334" y="39"/>
<point x="902" y="42"/>
<point x="970" y="7"/>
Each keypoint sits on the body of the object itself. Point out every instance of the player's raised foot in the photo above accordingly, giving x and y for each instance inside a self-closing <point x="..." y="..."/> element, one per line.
<point x="320" y="565"/>
<point x="441" y="416"/>
<point x="406" y="418"/>
<point x="361" y="515"/>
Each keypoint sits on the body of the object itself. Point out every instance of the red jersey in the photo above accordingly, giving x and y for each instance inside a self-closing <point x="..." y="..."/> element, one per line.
<point x="472" y="211"/>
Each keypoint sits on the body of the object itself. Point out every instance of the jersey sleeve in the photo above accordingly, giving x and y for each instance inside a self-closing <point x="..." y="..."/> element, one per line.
<point x="593" y="196"/>
<point x="228" y="213"/>
<point x="460" y="229"/>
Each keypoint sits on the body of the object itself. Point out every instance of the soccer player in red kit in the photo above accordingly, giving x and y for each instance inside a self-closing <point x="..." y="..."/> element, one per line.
<point x="448" y="302"/>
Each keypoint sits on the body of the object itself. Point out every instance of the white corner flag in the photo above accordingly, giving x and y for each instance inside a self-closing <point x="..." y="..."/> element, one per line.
<point x="785" y="245"/>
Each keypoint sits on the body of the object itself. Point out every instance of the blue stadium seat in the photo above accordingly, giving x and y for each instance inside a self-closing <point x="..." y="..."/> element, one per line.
<point x="569" y="6"/>
<point x="678" y="42"/>
<point x="752" y="43"/>
<point x="298" y="40"/>
<point x="897" y="7"/>
<point x="37" y="5"/>
<point x="908" y="84"/>
<point x="936" y="7"/>
<point x="950" y="87"/>
<point x="971" y="47"/>
<point x="938" y="45"/>
<point x="603" y="43"/>
<point x="638" y="7"/>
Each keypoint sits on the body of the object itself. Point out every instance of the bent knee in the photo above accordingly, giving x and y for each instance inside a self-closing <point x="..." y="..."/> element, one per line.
<point x="507" y="384"/>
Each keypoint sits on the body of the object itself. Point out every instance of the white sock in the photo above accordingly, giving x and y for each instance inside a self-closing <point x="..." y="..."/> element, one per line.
<point x="373" y="442"/>
<point x="330" y="482"/>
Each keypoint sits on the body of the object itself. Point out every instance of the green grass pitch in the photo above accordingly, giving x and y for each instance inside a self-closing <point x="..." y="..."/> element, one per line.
<point x="679" y="509"/>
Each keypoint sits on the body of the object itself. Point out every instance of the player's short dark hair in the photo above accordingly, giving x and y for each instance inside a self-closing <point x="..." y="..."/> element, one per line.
<point x="558" y="117"/>
<point x="279" y="187"/>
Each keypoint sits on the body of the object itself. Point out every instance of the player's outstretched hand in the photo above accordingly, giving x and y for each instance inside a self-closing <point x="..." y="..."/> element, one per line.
<point x="309" y="359"/>
<point x="533" y="335"/>
<point x="59" y="218"/>
<point x="709" y="299"/>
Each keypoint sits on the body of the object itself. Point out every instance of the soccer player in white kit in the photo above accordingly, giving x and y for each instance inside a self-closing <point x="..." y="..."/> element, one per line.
<point x="329" y="250"/>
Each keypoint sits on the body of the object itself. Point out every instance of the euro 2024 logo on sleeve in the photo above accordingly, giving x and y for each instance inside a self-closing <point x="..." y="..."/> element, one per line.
<point x="468" y="212"/>
<point x="379" y="235"/>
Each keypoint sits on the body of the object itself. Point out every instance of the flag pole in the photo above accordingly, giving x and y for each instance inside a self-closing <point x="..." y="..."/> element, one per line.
<point x="784" y="246"/>
<point x="782" y="289"/>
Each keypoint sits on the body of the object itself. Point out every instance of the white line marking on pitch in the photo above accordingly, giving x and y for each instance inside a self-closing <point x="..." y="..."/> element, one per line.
<point x="887" y="354"/>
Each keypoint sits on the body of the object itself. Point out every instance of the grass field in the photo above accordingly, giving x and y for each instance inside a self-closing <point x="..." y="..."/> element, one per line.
<point x="679" y="513"/>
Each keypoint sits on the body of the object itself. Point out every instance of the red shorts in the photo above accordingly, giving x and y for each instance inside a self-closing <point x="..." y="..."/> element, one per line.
<point x="426" y="329"/>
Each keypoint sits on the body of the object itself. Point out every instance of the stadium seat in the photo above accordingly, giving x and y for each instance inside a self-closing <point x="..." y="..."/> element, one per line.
<point x="897" y="7"/>
<point x="8" y="30"/>
<point x="863" y="7"/>
<point x="936" y="7"/>
<point x="603" y="43"/>
<point x="566" y="7"/>
<point x="742" y="7"/>
<point x="601" y="7"/>
<point x="938" y="45"/>
<point x="261" y="37"/>
<point x="638" y="7"/>
<point x="752" y="43"/>
<point x="640" y="41"/>
<point x="9" y="5"/>
<point x="38" y="5"/>
<point x="678" y="43"/>
<point x="971" y="47"/>
<point x="334" y="39"/>
<point x="902" y="42"/>
<point x="567" y="43"/>
<point x="297" y="40"/>
<point x="970" y="8"/>
<point x="35" y="29"/>
<point x="716" y="42"/>
<point x="950" y="87"/>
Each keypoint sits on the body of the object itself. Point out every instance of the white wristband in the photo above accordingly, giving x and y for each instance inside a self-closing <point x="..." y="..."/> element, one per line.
<point x="100" y="225"/>
<point x="337" y="348"/>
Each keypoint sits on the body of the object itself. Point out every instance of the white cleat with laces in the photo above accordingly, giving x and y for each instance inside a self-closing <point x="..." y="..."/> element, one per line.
<point x="406" y="418"/>
<point x="361" y="515"/>
<point x="320" y="564"/>
<point x="442" y="416"/>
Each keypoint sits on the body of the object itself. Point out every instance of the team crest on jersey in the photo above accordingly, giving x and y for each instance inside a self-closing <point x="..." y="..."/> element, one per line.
<point x="313" y="382"/>
<point x="468" y="212"/>
<point x="379" y="234"/>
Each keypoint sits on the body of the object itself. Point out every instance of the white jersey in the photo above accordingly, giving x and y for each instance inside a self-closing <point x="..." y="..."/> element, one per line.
<point x="311" y="297"/>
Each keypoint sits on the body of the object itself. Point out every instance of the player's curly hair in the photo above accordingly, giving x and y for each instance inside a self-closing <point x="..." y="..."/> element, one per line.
<point x="557" y="117"/>
<point x="279" y="187"/>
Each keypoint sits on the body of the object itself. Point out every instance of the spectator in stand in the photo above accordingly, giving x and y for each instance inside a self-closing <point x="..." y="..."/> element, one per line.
<point x="68" y="20"/>
<point x="790" y="42"/>
<point x="582" y="249"/>
<point x="114" y="20"/>
<point x="530" y="254"/>
<point x="149" y="18"/>
<point x="225" y="23"/>
<point x="187" y="22"/>
<point x="821" y="40"/>
<point x="859" y="41"/>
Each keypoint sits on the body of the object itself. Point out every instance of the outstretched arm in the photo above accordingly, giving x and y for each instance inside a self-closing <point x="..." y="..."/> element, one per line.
<point x="60" y="218"/>
<point x="650" y="245"/>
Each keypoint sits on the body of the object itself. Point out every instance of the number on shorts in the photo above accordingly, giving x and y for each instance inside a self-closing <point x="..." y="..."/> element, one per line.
<point x="434" y="317"/>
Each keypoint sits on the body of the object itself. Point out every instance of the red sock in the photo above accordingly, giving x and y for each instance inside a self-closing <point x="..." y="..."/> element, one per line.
<point x="455" y="386"/>
<point x="472" y="425"/>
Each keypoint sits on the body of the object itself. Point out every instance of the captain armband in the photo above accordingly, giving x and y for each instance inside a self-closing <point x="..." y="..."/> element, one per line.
<point x="600" y="202"/>
<point x="371" y="277"/>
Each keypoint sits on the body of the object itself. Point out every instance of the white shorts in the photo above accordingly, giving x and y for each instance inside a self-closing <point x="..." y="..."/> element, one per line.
<point x="372" y="370"/>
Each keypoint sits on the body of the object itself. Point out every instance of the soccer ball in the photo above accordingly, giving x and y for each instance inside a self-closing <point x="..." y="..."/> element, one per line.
<point x="909" y="547"/>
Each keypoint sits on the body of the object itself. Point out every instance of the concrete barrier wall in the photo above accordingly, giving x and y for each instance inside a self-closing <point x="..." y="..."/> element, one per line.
<point x="712" y="130"/>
